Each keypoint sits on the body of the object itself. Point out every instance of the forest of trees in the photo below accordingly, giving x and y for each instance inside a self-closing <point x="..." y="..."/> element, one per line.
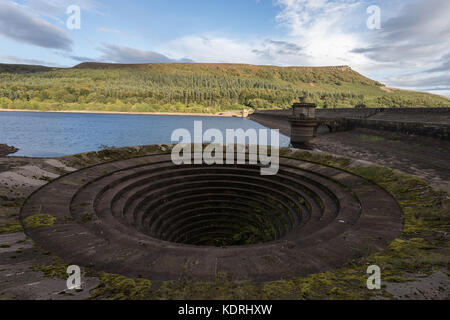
<point x="194" y="88"/>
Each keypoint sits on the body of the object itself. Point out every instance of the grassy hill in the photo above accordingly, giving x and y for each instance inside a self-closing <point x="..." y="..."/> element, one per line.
<point x="194" y="88"/>
<point x="22" y="68"/>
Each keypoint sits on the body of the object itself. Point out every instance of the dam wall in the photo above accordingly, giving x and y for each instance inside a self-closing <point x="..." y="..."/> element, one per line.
<point x="430" y="122"/>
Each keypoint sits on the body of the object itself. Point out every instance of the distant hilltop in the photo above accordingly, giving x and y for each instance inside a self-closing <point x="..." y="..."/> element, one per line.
<point x="102" y="65"/>
<point x="210" y="67"/>
<point x="183" y="67"/>
<point x="331" y="74"/>
<point x="196" y="88"/>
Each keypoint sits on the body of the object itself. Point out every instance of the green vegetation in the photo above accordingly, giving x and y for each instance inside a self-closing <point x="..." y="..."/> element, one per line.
<point x="56" y="268"/>
<point x="194" y="88"/>
<point x="11" y="227"/>
<point x="369" y="138"/>
<point x="39" y="220"/>
<point x="11" y="202"/>
<point x="252" y="234"/>
<point x="118" y="287"/>
<point x="106" y="154"/>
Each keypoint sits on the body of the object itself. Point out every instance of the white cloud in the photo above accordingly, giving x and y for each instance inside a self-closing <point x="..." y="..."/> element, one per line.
<point x="413" y="44"/>
<point x="320" y="27"/>
<point x="417" y="36"/>
<point x="17" y="24"/>
<point x="14" y="59"/>
<point x="112" y="53"/>
<point x="437" y="84"/>
<point x="315" y="26"/>
<point x="301" y="16"/>
<point x="209" y="48"/>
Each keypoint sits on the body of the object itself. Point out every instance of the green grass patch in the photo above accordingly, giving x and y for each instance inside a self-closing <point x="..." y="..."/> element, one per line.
<point x="39" y="221"/>
<point x="56" y="268"/>
<point x="368" y="138"/>
<point x="11" y="227"/>
<point x="117" y="287"/>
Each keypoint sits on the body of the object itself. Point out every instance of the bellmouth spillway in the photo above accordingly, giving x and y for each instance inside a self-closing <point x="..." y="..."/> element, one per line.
<point x="146" y="217"/>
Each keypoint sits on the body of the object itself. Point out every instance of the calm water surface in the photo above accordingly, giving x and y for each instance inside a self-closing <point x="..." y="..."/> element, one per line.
<point x="58" y="134"/>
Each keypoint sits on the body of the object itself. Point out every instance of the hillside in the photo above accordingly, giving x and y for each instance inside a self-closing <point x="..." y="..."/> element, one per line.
<point x="23" y="68"/>
<point x="194" y="88"/>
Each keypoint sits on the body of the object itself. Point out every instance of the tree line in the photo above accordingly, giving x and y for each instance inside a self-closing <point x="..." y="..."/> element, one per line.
<point x="144" y="91"/>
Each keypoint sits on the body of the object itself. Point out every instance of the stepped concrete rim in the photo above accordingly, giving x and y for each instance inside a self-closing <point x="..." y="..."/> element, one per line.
<point x="380" y="223"/>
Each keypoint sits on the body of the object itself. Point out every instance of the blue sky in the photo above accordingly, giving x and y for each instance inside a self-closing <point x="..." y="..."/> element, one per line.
<point x="411" y="49"/>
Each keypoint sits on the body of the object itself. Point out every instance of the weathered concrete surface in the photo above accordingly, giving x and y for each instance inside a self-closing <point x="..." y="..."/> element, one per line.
<point x="421" y="115"/>
<point x="18" y="280"/>
<point x="426" y="158"/>
<point x="429" y="122"/>
<point x="421" y="156"/>
<point x="436" y="286"/>
<point x="19" y="255"/>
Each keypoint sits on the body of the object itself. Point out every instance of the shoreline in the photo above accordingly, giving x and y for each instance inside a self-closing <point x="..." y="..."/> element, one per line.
<point x="225" y="114"/>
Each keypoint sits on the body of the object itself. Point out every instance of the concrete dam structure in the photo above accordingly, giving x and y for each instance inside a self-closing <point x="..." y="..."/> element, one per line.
<point x="146" y="217"/>
<point x="430" y="122"/>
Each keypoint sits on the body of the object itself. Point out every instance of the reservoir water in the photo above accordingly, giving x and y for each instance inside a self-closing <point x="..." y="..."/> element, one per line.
<point x="39" y="134"/>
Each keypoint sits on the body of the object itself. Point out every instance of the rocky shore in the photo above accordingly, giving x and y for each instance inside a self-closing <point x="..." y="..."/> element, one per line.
<point x="5" y="150"/>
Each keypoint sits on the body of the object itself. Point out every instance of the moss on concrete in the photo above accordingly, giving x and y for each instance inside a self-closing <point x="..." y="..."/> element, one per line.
<point x="371" y="138"/>
<point x="11" y="227"/>
<point x="39" y="221"/>
<point x="107" y="154"/>
<point x="326" y="159"/>
<point x="117" y="287"/>
<point x="56" y="268"/>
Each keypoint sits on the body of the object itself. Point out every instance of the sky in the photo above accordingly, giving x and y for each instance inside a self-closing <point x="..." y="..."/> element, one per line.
<point x="401" y="43"/>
